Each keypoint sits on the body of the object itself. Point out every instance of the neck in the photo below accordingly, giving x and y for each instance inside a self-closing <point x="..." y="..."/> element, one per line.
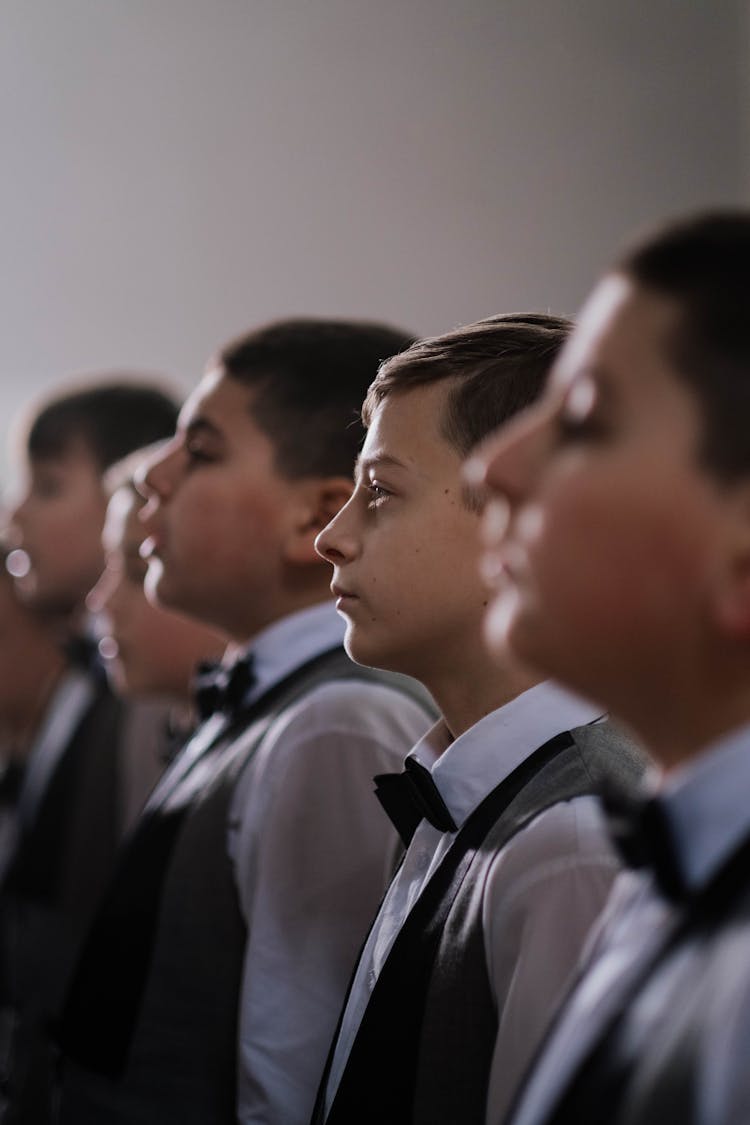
<point x="242" y="633"/>
<point x="482" y="686"/>
<point x="676" y="725"/>
<point x="21" y="724"/>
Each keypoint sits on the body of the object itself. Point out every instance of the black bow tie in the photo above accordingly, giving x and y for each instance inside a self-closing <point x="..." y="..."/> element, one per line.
<point x="642" y="835"/>
<point x="82" y="652"/>
<point x="222" y="687"/>
<point x="11" y="779"/>
<point x="412" y="796"/>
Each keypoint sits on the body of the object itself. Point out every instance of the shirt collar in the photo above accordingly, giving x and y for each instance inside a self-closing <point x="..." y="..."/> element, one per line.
<point x="468" y="769"/>
<point x="292" y="641"/>
<point x="707" y="807"/>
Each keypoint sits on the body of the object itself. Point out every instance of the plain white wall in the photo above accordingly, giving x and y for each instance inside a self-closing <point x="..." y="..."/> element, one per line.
<point x="176" y="170"/>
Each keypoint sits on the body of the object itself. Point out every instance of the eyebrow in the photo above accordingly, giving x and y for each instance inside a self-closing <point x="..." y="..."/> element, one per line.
<point x="201" y="425"/>
<point x="599" y="375"/>
<point x="362" y="464"/>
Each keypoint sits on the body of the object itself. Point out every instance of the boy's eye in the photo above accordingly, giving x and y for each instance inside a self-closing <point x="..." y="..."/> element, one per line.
<point x="48" y="487"/>
<point x="571" y="428"/>
<point x="578" y="414"/>
<point x="197" y="452"/>
<point x="377" y="494"/>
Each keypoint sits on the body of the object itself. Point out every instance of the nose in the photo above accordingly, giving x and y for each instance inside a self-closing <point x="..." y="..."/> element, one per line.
<point x="337" y="542"/>
<point x="508" y="462"/>
<point x="16" y="519"/>
<point x="100" y="595"/>
<point x="157" y="476"/>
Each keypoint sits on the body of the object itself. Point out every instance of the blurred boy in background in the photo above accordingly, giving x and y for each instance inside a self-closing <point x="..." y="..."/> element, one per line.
<point x="210" y="982"/>
<point x="77" y="793"/>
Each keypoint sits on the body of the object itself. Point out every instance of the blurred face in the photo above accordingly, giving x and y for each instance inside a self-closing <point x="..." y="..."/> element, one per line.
<point x="405" y="547"/>
<point x="219" y="514"/>
<point x="600" y="538"/>
<point x="29" y="654"/>
<point x="150" y="651"/>
<point x="58" y="523"/>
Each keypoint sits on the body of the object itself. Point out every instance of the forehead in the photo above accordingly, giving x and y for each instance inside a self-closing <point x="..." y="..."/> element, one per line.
<point x="219" y="400"/>
<point x="623" y="333"/>
<point x="408" y="425"/>
<point x="75" y="457"/>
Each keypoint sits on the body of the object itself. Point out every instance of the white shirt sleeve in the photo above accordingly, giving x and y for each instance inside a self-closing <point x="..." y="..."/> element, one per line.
<point x="543" y="894"/>
<point x="311" y="856"/>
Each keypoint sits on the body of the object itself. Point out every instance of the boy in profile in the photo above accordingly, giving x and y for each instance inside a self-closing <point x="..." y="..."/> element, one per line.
<point x="151" y="655"/>
<point x="625" y="561"/>
<point x="77" y="792"/>
<point x="507" y="863"/>
<point x="149" y="652"/>
<point x="209" y="986"/>
<point x="31" y="665"/>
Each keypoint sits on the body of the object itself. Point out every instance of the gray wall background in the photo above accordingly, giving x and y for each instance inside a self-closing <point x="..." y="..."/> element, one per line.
<point x="177" y="170"/>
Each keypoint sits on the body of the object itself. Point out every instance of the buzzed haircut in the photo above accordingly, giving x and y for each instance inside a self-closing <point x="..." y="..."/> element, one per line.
<point x="703" y="264"/>
<point x="108" y="418"/>
<point x="308" y="378"/>
<point x="497" y="367"/>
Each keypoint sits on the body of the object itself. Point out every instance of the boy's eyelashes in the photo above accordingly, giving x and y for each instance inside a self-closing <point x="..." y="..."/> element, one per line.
<point x="47" y="487"/>
<point x="197" y="453"/>
<point x="579" y="413"/>
<point x="571" y="427"/>
<point x="377" y="493"/>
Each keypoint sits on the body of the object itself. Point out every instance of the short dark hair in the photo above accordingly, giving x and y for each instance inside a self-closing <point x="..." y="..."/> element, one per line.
<point x="309" y="377"/>
<point x="498" y="367"/>
<point x="703" y="264"/>
<point x="109" y="418"/>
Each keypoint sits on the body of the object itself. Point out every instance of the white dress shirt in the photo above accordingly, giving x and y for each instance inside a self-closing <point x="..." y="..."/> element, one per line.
<point x="310" y="846"/>
<point x="706" y="805"/>
<point x="544" y="889"/>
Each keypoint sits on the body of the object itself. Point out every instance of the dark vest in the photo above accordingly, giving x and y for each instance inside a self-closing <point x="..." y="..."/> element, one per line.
<point x="150" y="1029"/>
<point x="647" y="1065"/>
<point x="52" y="887"/>
<point x="423" y="1050"/>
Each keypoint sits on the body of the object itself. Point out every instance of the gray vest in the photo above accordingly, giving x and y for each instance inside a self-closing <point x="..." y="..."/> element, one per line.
<point x="171" y="1056"/>
<point x="423" y="1050"/>
<point x="651" y="1062"/>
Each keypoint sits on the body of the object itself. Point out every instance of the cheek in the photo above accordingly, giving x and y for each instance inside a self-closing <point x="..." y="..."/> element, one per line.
<point x="46" y="527"/>
<point x="73" y="530"/>
<point x="214" y="529"/>
<point x="614" y="553"/>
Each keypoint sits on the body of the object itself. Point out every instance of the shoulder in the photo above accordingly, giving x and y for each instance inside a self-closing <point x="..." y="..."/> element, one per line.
<point x="567" y="842"/>
<point x="362" y="706"/>
<point x="356" y="724"/>
<point x="610" y="757"/>
<point x="724" y="1018"/>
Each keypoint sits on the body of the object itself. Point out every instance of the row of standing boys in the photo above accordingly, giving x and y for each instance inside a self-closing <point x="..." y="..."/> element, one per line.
<point x="376" y="725"/>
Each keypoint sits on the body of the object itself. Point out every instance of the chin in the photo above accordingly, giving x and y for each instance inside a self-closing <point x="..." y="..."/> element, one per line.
<point x="162" y="594"/>
<point x="156" y="584"/>
<point x="511" y="638"/>
<point x="499" y="626"/>
<point x="369" y="655"/>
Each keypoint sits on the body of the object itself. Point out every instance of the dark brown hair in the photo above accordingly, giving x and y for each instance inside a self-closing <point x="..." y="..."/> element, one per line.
<point x="497" y="366"/>
<point x="108" y="418"/>
<point x="308" y="379"/>
<point x="703" y="264"/>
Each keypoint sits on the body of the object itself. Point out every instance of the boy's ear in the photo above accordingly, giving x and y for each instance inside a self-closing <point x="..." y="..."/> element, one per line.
<point x="733" y="599"/>
<point x="320" y="500"/>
